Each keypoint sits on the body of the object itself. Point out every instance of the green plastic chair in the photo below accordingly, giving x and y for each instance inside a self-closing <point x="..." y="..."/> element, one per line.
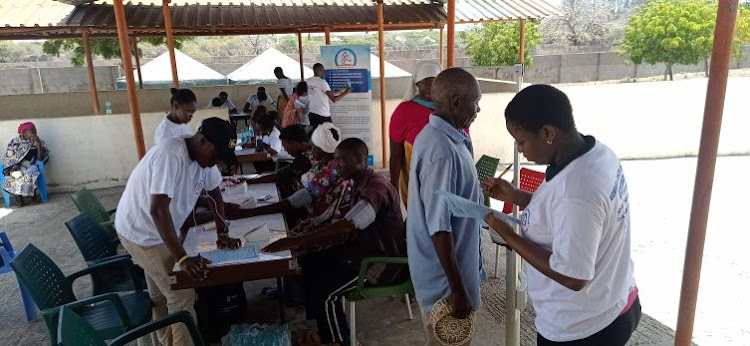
<point x="486" y="169"/>
<point x="86" y="201"/>
<point x="73" y="330"/>
<point x="97" y="248"/>
<point x="361" y="292"/>
<point x="51" y="289"/>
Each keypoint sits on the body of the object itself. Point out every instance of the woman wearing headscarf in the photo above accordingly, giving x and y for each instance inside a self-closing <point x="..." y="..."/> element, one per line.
<point x="325" y="192"/>
<point x="408" y="120"/>
<point x="19" y="163"/>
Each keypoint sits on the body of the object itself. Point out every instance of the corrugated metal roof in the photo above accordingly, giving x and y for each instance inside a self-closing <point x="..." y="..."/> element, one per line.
<point x="477" y="11"/>
<point x="258" y="2"/>
<point x="268" y="16"/>
<point x="31" y="13"/>
<point x="207" y="17"/>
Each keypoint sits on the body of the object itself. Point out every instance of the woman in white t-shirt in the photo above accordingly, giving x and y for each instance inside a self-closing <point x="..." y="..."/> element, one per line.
<point x="575" y="229"/>
<point x="175" y="124"/>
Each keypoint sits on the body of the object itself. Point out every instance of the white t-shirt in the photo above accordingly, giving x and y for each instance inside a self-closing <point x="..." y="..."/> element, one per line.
<point x="227" y="105"/>
<point x="165" y="170"/>
<point x="320" y="104"/>
<point x="302" y="104"/>
<point x="168" y="129"/>
<point x="286" y="84"/>
<point x="274" y="142"/>
<point x="582" y="216"/>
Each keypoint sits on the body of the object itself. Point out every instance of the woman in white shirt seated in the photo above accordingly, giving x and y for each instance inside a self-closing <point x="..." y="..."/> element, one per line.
<point x="265" y="127"/>
<point x="575" y="232"/>
<point x="175" y="124"/>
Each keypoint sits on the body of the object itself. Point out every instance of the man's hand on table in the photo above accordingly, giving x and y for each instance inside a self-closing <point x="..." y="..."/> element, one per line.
<point x="196" y="267"/>
<point x="226" y="242"/>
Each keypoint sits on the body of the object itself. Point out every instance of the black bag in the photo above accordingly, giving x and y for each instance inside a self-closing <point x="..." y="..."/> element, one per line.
<point x="218" y="308"/>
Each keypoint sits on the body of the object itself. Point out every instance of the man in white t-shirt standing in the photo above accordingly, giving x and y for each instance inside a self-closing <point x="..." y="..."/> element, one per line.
<point x="160" y="194"/>
<point x="321" y="97"/>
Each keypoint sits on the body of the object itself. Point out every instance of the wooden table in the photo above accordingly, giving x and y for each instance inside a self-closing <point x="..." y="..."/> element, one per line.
<point x="250" y="156"/>
<point x="266" y="266"/>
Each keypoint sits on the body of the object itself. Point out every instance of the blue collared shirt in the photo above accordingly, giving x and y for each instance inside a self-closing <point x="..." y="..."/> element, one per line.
<point x="442" y="159"/>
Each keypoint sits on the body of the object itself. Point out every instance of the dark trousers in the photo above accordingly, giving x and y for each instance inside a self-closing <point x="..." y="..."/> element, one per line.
<point x="317" y="119"/>
<point x="326" y="279"/>
<point x="617" y="333"/>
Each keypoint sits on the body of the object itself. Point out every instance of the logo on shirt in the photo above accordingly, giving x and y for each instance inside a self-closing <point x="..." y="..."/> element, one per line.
<point x="345" y="57"/>
<point x="198" y="187"/>
<point x="525" y="219"/>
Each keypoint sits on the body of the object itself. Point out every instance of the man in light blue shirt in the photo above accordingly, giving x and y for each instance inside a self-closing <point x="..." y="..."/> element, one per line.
<point x="445" y="259"/>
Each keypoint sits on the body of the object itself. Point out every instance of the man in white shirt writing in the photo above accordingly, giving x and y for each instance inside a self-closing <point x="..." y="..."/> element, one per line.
<point x="160" y="194"/>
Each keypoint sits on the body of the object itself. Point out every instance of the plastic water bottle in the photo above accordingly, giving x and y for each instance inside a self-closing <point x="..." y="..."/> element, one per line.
<point x="108" y="107"/>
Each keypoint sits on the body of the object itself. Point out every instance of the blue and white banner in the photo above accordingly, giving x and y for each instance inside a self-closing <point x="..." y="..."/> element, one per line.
<point x="349" y="66"/>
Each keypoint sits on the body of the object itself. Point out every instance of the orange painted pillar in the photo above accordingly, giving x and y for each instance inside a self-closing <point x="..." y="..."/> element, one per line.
<point x="137" y="62"/>
<point x="328" y="35"/>
<point x="381" y="49"/>
<point x="301" y="57"/>
<point x="726" y="19"/>
<point x="170" y="41"/>
<point x="92" y="76"/>
<point x="127" y="65"/>
<point x="451" y="33"/>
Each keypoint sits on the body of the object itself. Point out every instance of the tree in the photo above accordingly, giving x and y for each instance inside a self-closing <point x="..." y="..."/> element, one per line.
<point x="670" y="32"/>
<point x="496" y="44"/>
<point x="106" y="48"/>
<point x="741" y="31"/>
<point x="585" y="22"/>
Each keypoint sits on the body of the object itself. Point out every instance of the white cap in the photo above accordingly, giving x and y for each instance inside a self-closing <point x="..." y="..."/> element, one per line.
<point x="423" y="70"/>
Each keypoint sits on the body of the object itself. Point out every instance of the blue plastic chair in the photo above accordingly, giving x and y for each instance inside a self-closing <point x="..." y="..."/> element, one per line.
<point x="6" y="255"/>
<point x="41" y="185"/>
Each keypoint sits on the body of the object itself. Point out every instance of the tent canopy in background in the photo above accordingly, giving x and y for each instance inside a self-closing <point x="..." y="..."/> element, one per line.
<point x="157" y="73"/>
<point x="391" y="70"/>
<point x="260" y="69"/>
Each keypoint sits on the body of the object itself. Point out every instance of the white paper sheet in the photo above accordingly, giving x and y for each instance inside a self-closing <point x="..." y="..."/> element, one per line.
<point x="462" y="207"/>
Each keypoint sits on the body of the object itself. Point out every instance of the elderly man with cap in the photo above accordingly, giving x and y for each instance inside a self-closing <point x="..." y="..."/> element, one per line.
<point x="445" y="258"/>
<point x="160" y="194"/>
<point x="324" y="190"/>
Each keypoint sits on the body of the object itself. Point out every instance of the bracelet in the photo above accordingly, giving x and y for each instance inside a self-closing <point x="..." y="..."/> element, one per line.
<point x="183" y="259"/>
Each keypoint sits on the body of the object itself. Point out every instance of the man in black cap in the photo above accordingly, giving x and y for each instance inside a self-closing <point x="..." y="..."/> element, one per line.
<point x="160" y="194"/>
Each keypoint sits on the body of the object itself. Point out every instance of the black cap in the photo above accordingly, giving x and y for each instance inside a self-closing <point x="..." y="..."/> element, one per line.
<point x="223" y="135"/>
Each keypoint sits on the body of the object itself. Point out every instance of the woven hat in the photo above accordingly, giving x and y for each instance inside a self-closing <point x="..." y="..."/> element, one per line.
<point x="450" y="331"/>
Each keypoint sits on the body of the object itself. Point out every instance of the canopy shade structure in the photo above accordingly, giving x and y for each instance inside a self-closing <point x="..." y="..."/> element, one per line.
<point x="157" y="73"/>
<point x="260" y="69"/>
<point x="46" y="19"/>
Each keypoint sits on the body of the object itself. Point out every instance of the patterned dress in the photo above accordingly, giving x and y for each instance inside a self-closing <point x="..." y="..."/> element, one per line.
<point x="19" y="167"/>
